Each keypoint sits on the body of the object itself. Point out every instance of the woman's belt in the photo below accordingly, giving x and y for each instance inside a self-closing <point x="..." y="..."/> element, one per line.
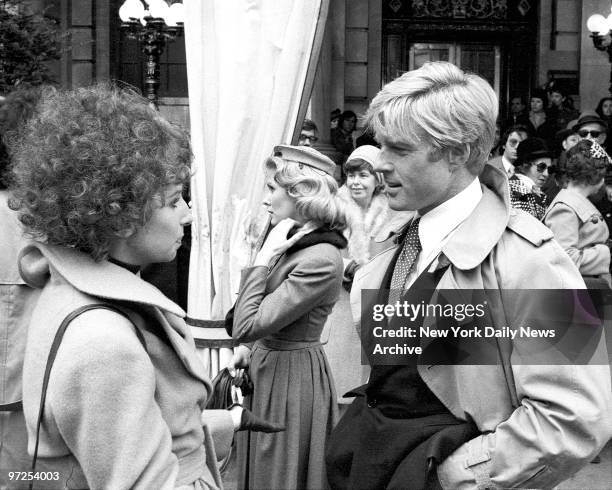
<point x="279" y="344"/>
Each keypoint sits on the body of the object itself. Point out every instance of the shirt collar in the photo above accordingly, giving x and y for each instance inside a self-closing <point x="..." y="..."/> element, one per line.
<point x="436" y="226"/>
<point x="508" y="165"/>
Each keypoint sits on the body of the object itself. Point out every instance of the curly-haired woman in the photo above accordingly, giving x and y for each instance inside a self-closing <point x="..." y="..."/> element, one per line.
<point x="282" y="306"/>
<point x="98" y="180"/>
<point x="577" y="224"/>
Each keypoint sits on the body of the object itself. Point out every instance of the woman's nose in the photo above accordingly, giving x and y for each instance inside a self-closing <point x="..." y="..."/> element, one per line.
<point x="187" y="219"/>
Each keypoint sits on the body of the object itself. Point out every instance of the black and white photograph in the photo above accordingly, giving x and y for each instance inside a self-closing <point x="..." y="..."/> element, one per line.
<point x="306" y="244"/>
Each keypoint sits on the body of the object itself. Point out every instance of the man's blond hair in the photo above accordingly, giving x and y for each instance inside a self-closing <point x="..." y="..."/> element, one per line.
<point x="440" y="105"/>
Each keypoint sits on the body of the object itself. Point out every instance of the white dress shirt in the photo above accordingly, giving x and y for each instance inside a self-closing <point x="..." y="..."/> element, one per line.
<point x="508" y="166"/>
<point x="438" y="225"/>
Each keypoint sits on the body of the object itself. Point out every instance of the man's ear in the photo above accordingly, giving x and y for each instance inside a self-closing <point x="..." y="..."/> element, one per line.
<point x="459" y="155"/>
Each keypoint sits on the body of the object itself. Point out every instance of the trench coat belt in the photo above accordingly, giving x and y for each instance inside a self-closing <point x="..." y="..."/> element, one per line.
<point x="279" y="344"/>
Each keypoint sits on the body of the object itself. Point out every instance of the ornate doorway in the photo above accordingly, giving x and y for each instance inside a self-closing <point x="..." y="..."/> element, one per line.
<point x="494" y="38"/>
<point x="483" y="59"/>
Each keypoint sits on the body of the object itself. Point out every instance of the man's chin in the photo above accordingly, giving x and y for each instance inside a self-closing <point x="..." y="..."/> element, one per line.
<point x="398" y="205"/>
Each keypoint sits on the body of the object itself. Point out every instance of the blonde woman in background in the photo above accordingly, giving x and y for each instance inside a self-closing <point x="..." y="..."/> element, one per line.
<point x="370" y="220"/>
<point x="284" y="301"/>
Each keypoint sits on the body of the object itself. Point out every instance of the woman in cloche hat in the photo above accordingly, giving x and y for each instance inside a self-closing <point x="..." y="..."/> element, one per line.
<point x="283" y="303"/>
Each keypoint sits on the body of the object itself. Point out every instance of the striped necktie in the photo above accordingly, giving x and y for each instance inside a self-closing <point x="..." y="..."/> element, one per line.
<point x="405" y="261"/>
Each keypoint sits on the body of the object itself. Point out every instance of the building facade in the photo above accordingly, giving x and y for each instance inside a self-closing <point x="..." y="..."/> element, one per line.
<point x="515" y="44"/>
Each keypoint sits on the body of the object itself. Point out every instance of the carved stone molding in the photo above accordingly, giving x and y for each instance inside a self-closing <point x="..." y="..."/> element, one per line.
<point x="460" y="9"/>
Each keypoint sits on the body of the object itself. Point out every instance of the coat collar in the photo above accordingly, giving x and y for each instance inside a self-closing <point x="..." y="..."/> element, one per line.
<point x="99" y="279"/>
<point x="111" y="282"/>
<point x="584" y="208"/>
<point x="487" y="222"/>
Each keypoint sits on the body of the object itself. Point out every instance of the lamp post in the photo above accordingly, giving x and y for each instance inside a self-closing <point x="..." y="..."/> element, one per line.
<point x="153" y="25"/>
<point x="600" y="28"/>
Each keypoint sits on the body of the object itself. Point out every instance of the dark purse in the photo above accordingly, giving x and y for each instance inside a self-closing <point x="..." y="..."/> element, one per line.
<point x="229" y="321"/>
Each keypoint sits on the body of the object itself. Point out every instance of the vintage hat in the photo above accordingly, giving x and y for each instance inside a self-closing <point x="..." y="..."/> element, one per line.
<point x="305" y="155"/>
<point x="531" y="149"/>
<point x="563" y="134"/>
<point x="367" y="153"/>
<point x="587" y="118"/>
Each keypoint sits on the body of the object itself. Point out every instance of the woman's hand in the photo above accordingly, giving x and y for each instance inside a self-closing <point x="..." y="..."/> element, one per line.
<point x="239" y="361"/>
<point x="277" y="241"/>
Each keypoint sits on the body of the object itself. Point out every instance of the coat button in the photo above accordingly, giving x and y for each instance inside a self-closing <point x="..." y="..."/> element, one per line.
<point x="372" y="403"/>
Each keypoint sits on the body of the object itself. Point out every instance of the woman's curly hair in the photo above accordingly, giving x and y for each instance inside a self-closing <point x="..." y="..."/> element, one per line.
<point x="89" y="165"/>
<point x="582" y="167"/>
<point x="314" y="191"/>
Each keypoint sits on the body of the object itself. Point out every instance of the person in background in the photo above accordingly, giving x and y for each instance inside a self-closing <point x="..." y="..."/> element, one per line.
<point x="557" y="179"/>
<point x="97" y="181"/>
<point x="540" y="126"/>
<point x="334" y="116"/>
<point x="370" y="221"/>
<point x="309" y="134"/>
<point x="561" y="111"/>
<point x="342" y="136"/>
<point x="604" y="111"/>
<point x="509" y="143"/>
<point x="591" y="127"/>
<point x="518" y="115"/>
<point x="604" y="204"/>
<point x="577" y="224"/>
<point x="284" y="301"/>
<point x="531" y="172"/>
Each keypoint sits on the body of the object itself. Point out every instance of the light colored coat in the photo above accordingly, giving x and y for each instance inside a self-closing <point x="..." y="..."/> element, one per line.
<point x="539" y="424"/>
<point x="582" y="232"/>
<point x="117" y="415"/>
<point x="17" y="301"/>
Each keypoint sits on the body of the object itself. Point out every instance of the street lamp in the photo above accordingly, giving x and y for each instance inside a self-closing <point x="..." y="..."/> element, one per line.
<point x="600" y="28"/>
<point x="153" y="25"/>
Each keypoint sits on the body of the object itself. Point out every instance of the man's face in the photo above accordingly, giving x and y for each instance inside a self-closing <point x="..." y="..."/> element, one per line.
<point x="556" y="99"/>
<point x="516" y="105"/>
<point x="512" y="144"/>
<point x="307" y="137"/>
<point x="412" y="180"/>
<point x="592" y="131"/>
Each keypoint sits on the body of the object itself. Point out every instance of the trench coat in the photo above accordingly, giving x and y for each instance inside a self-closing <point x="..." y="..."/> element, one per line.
<point x="539" y="424"/>
<point x="582" y="231"/>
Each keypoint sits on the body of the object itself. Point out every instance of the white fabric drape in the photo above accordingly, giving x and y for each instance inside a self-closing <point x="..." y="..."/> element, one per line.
<point x="246" y="65"/>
